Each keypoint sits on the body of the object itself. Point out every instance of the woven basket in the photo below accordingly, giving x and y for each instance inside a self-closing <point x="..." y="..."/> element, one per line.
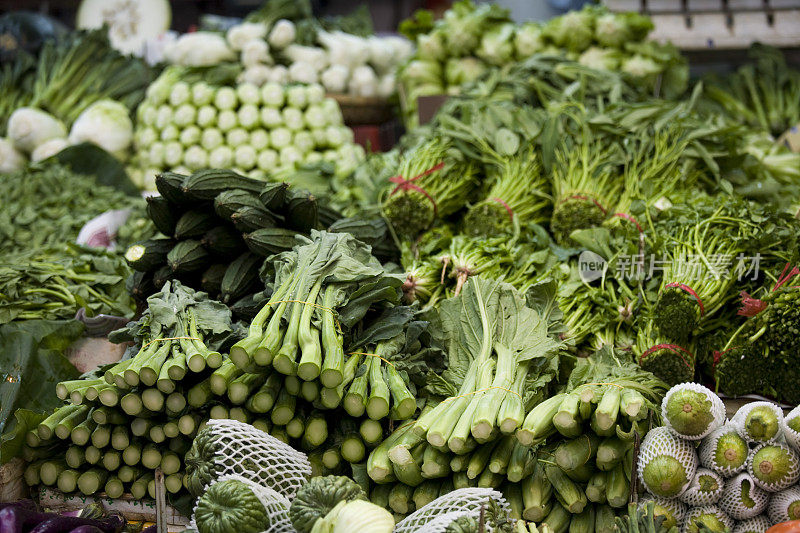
<point x="12" y="481"/>
<point x="361" y="111"/>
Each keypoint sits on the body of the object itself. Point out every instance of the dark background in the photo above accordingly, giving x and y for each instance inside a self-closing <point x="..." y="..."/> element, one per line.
<point x="386" y="14"/>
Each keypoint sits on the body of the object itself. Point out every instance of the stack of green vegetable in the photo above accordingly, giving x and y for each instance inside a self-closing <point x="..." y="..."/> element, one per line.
<point x="187" y="124"/>
<point x="504" y="421"/>
<point x="742" y="475"/>
<point x="47" y="95"/>
<point x="471" y="40"/>
<point x="55" y="282"/>
<point x="48" y="204"/>
<point x="177" y="377"/>
<point x="218" y="227"/>
<point x="126" y="419"/>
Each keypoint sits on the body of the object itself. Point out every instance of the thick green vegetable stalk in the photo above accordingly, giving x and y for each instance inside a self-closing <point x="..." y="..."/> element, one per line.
<point x="501" y="337"/>
<point x="432" y="182"/>
<point x="299" y="331"/>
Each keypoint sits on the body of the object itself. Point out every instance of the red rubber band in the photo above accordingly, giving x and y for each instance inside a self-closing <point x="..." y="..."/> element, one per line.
<point x="629" y="218"/>
<point x="586" y="198"/>
<point x="508" y="207"/>
<point x="785" y="277"/>
<point x="750" y="306"/>
<point x="718" y="355"/>
<point x="405" y="185"/>
<point x="689" y="290"/>
<point x="672" y="347"/>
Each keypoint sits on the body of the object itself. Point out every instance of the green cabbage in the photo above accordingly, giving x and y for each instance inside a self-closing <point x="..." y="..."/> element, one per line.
<point x="463" y="70"/>
<point x="573" y="31"/>
<point x="496" y="45"/>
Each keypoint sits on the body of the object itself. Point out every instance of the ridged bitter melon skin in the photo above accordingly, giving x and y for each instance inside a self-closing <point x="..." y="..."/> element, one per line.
<point x="230" y="506"/>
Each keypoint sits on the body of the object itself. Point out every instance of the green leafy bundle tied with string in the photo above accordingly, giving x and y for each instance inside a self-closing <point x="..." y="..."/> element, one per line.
<point x="519" y="191"/>
<point x="500" y="353"/>
<point x="705" y="244"/>
<point x="433" y="181"/>
<point x="584" y="181"/>
<point x="761" y="356"/>
<point x="674" y="362"/>
<point x="322" y="287"/>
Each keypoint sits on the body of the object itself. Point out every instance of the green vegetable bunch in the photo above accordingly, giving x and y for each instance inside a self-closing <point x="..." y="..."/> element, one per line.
<point x="471" y="40"/>
<point x="763" y="94"/>
<point x="433" y="181"/>
<point x="71" y="74"/>
<point x="48" y="204"/>
<point x="114" y="429"/>
<point x="55" y="282"/>
<point x="185" y="125"/>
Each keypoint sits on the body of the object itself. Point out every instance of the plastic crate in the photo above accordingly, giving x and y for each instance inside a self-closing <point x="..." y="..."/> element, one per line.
<point x="719" y="24"/>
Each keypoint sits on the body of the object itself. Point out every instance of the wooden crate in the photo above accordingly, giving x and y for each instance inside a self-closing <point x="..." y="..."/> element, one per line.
<point x="12" y="482"/>
<point x="135" y="510"/>
<point x="718" y="24"/>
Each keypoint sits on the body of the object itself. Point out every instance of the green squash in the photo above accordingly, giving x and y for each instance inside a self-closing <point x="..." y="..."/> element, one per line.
<point x="230" y="506"/>
<point x="317" y="497"/>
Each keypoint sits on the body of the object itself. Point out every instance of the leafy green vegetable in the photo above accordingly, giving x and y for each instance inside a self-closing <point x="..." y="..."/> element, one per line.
<point x="34" y="350"/>
<point x="48" y="204"/>
<point x="55" y="282"/>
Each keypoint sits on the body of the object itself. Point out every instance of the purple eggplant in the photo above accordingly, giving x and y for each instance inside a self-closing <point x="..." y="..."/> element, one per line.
<point x="87" y="529"/>
<point x="24" y="504"/>
<point x="64" y="524"/>
<point x="18" y="519"/>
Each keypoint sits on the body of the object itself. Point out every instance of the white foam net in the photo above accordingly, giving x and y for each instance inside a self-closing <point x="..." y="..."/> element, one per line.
<point x="660" y="442"/>
<point x="792" y="437"/>
<point x="673" y="505"/>
<point x="740" y="420"/>
<point x="784" y="505"/>
<point x="259" y="457"/>
<point x="742" y="498"/>
<point x="696" y="512"/>
<point x="717" y="409"/>
<point x="275" y="505"/>
<point x="460" y="502"/>
<point x="708" y="450"/>
<point x="786" y="481"/>
<point x="696" y="496"/>
<point x="757" y="524"/>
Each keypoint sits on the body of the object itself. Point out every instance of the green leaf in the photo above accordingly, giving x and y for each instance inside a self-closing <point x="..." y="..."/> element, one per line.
<point x="33" y="362"/>
<point x="91" y="160"/>
<point x="13" y="438"/>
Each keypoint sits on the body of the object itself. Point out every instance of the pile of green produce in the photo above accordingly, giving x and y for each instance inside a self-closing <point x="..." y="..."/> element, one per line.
<point x="216" y="229"/>
<point x="282" y="42"/>
<point x="471" y="40"/>
<point x="126" y="419"/>
<point x="743" y="474"/>
<point x="48" y="204"/>
<point x="54" y="283"/>
<point x="560" y="451"/>
<point x="187" y="124"/>
<point x="77" y="84"/>
<point x="115" y="428"/>
<point x="762" y="94"/>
